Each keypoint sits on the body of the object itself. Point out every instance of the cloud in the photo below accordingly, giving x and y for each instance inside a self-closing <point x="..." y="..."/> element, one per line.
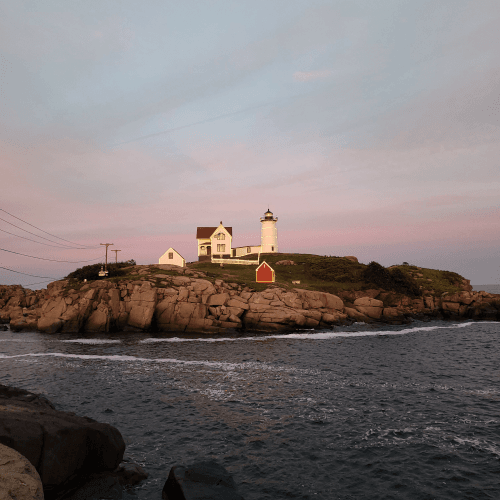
<point x="307" y="76"/>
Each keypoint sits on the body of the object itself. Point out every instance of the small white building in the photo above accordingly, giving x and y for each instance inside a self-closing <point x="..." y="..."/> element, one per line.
<point x="173" y="257"/>
<point x="246" y="250"/>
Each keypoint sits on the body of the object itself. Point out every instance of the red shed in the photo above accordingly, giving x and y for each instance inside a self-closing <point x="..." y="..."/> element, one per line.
<point x="264" y="273"/>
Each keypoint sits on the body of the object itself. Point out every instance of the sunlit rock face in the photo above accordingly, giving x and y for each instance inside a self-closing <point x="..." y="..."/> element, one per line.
<point x="186" y="300"/>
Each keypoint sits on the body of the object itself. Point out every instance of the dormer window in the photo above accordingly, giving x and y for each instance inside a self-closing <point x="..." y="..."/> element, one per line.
<point x="220" y="236"/>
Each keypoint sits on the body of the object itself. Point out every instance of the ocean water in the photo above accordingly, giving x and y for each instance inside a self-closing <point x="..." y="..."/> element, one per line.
<point x="408" y="412"/>
<point x="487" y="288"/>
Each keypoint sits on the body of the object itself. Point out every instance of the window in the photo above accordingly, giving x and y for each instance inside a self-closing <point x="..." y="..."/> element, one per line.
<point x="249" y="249"/>
<point x="272" y="249"/>
<point x="170" y="255"/>
<point x="220" y="236"/>
<point x="221" y="248"/>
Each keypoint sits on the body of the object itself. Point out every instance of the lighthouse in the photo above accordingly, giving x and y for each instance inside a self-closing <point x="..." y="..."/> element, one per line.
<point x="269" y="233"/>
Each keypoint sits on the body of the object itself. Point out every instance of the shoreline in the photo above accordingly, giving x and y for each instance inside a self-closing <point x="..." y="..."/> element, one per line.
<point x="165" y="298"/>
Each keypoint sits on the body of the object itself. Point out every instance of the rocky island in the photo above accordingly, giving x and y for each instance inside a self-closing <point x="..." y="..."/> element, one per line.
<point x="205" y="298"/>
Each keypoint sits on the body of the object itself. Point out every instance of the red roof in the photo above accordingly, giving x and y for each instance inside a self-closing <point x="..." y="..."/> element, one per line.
<point x="206" y="232"/>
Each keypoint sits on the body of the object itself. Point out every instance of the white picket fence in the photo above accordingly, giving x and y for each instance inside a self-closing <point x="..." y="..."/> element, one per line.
<point x="242" y="262"/>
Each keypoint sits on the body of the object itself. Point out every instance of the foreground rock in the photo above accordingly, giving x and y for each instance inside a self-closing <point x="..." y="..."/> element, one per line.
<point x="168" y="298"/>
<point x="65" y="449"/>
<point x="19" y="480"/>
<point x="205" y="480"/>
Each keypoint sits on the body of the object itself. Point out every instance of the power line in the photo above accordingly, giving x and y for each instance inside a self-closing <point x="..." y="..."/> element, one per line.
<point x="40" y="282"/>
<point x="41" y="242"/>
<point x="208" y="120"/>
<point x="43" y="238"/>
<point x="73" y="243"/>
<point x="19" y="272"/>
<point x="52" y="260"/>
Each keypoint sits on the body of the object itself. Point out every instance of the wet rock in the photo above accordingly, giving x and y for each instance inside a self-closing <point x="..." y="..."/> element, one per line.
<point x="356" y="315"/>
<point x="205" y="480"/>
<point x="390" y="312"/>
<point x="49" y="325"/>
<point x="24" y="324"/>
<point x="333" y="318"/>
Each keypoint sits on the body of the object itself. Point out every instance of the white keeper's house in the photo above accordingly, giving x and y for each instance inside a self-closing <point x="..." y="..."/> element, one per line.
<point x="217" y="241"/>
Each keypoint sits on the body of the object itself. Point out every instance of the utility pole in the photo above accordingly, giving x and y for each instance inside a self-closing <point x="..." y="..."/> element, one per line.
<point x="106" y="266"/>
<point x="116" y="255"/>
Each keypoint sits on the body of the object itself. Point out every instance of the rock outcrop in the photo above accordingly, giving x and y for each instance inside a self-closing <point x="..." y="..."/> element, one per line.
<point x="19" y="480"/>
<point x="207" y="480"/>
<point x="63" y="447"/>
<point x="170" y="298"/>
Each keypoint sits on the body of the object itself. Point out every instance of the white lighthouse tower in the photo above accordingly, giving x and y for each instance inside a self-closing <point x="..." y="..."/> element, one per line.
<point x="268" y="233"/>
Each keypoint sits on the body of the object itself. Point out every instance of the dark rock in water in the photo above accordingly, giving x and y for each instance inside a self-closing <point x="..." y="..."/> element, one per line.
<point x="64" y="448"/>
<point x="107" y="485"/>
<point x="13" y="395"/>
<point x="3" y="328"/>
<point x="207" y="480"/>
<point x="130" y="474"/>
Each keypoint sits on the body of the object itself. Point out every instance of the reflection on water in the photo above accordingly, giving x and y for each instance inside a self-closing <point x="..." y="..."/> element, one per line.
<point x="349" y="413"/>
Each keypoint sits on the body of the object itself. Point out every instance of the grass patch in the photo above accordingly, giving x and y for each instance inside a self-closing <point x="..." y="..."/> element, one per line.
<point x="315" y="272"/>
<point x="328" y="274"/>
<point x="336" y="274"/>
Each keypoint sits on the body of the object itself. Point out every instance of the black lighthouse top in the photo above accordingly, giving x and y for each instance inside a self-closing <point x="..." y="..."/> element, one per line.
<point x="268" y="216"/>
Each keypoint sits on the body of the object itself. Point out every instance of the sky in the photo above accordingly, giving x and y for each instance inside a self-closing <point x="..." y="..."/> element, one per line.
<point x="368" y="128"/>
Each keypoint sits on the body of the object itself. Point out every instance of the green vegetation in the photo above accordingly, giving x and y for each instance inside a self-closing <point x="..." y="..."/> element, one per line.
<point x="91" y="272"/>
<point x="336" y="274"/>
<point x="315" y="272"/>
<point x="327" y="274"/>
<point x="433" y="280"/>
<point x="393" y="280"/>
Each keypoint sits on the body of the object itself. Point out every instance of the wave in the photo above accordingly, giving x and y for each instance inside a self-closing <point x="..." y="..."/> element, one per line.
<point x="480" y="444"/>
<point x="124" y="358"/>
<point x="311" y="336"/>
<point x="92" y="341"/>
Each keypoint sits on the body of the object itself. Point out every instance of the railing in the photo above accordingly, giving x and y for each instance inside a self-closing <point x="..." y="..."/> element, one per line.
<point x="241" y="262"/>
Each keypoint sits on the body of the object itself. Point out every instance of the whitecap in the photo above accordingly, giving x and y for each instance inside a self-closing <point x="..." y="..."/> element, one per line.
<point x="124" y="358"/>
<point x="479" y="444"/>
<point x="92" y="341"/>
<point x="312" y="336"/>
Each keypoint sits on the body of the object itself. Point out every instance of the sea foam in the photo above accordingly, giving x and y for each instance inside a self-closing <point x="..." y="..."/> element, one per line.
<point x="310" y="336"/>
